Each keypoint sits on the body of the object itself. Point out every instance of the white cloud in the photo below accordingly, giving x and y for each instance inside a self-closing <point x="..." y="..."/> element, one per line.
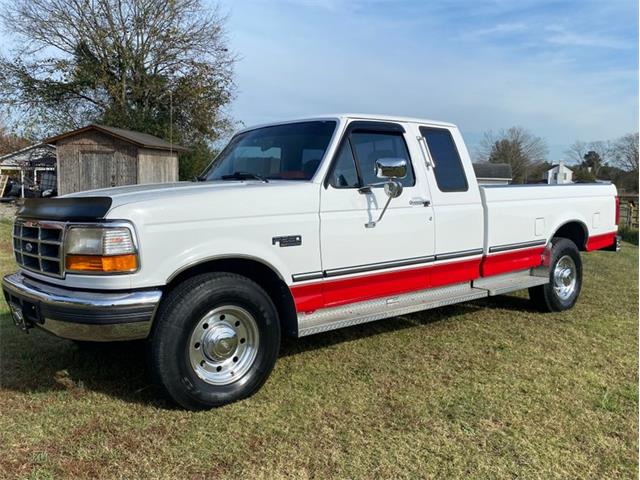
<point x="558" y="35"/>
<point x="511" y="72"/>
<point x="500" y="28"/>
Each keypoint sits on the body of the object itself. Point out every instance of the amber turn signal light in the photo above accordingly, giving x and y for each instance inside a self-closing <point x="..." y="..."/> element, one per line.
<point x="98" y="263"/>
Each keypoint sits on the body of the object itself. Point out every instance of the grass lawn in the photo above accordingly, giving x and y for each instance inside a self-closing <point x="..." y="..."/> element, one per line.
<point x="489" y="389"/>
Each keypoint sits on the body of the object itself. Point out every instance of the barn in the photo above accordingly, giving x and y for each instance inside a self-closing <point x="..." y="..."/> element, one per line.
<point x="97" y="156"/>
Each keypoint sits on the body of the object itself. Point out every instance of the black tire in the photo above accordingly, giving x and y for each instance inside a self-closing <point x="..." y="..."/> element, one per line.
<point x="545" y="297"/>
<point x="181" y="311"/>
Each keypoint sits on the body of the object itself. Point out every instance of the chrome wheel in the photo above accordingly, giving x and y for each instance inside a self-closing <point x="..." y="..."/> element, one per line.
<point x="565" y="277"/>
<point x="223" y="345"/>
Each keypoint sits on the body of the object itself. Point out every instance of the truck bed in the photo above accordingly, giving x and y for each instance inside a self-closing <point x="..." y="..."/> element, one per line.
<point x="531" y="214"/>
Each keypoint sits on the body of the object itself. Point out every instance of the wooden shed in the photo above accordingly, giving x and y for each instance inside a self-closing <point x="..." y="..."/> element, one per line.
<point x="97" y="156"/>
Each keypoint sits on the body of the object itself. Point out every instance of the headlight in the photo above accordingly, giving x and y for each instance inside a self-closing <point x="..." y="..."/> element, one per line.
<point x="100" y="250"/>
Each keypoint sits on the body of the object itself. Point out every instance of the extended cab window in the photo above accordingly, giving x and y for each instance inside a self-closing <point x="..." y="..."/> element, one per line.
<point x="291" y="151"/>
<point x="365" y="148"/>
<point x="448" y="169"/>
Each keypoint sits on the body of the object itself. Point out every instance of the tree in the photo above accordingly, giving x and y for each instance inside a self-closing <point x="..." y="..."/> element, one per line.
<point x="161" y="67"/>
<point x="10" y="142"/>
<point x="583" y="175"/>
<point x="576" y="152"/>
<point x="517" y="147"/>
<point x="592" y="162"/>
<point x="625" y="152"/>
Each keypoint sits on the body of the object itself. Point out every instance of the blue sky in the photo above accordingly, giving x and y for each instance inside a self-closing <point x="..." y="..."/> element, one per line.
<point x="564" y="70"/>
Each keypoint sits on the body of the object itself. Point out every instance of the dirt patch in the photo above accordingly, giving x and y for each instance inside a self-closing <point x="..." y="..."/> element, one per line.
<point x="8" y="210"/>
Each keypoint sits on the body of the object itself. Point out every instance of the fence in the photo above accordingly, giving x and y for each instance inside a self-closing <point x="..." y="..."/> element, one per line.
<point x="629" y="211"/>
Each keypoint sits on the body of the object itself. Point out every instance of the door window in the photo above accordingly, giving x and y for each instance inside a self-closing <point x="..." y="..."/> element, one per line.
<point x="448" y="169"/>
<point x="355" y="165"/>
<point x="344" y="173"/>
<point x="370" y="147"/>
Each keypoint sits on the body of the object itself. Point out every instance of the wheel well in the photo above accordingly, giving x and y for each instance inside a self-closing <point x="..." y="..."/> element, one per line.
<point x="260" y="273"/>
<point x="574" y="231"/>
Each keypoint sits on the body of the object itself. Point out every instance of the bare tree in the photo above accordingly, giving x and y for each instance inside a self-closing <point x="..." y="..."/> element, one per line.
<point x="625" y="152"/>
<point x="516" y="146"/>
<point x="576" y="152"/>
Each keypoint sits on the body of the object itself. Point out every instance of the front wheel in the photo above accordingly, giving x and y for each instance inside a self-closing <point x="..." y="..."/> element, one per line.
<point x="215" y="340"/>
<point x="565" y="278"/>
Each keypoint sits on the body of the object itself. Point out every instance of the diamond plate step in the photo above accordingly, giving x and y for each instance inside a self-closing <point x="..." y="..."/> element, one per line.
<point x="511" y="282"/>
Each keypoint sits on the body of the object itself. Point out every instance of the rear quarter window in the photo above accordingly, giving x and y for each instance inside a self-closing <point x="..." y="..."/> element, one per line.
<point x="448" y="170"/>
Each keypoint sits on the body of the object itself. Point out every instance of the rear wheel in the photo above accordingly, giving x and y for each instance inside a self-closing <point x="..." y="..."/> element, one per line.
<point x="565" y="278"/>
<point x="216" y="339"/>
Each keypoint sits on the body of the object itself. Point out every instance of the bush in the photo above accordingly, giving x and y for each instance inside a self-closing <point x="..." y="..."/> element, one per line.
<point x="629" y="234"/>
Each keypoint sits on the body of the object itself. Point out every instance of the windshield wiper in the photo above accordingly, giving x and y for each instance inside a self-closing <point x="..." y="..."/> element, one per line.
<point x="244" y="176"/>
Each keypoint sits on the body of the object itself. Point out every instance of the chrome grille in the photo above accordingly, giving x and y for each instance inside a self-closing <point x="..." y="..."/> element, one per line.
<point x="38" y="246"/>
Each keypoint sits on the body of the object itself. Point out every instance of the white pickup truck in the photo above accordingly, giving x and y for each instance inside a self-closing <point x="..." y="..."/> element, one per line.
<point x="295" y="228"/>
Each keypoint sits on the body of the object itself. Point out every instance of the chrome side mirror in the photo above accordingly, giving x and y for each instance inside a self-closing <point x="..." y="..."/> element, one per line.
<point x="391" y="168"/>
<point x="393" y="188"/>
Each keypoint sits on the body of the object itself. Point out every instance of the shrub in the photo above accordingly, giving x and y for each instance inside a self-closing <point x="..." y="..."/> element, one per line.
<point x="629" y="234"/>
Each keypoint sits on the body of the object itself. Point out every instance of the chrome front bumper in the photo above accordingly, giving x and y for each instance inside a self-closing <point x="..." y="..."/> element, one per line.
<point x="80" y="315"/>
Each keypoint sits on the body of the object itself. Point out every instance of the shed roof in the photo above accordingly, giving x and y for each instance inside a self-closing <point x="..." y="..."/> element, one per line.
<point x="493" y="170"/>
<point x="38" y="155"/>
<point x="140" y="139"/>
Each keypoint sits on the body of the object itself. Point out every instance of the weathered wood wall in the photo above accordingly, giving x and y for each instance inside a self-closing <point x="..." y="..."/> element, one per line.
<point x="93" y="160"/>
<point x="157" y="166"/>
<point x="629" y="211"/>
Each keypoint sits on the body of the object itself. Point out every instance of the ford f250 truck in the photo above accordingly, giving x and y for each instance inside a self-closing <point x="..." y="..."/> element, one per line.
<point x="295" y="228"/>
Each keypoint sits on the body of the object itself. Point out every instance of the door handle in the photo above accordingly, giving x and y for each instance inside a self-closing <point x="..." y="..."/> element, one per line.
<point x="420" y="201"/>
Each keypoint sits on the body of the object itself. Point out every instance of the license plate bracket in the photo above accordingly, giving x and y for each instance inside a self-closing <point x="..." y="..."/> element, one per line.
<point x="18" y="317"/>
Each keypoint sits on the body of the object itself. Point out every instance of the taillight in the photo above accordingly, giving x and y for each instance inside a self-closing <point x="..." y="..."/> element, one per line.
<point x="617" y="210"/>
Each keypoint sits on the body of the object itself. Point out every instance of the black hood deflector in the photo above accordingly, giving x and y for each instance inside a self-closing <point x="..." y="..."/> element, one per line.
<point x="77" y="209"/>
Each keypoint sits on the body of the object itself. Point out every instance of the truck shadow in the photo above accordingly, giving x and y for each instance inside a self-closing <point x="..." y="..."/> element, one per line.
<point x="293" y="346"/>
<point x="39" y="362"/>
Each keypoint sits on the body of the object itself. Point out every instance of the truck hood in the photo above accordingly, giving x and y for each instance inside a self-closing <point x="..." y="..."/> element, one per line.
<point x="157" y="191"/>
<point x="207" y="200"/>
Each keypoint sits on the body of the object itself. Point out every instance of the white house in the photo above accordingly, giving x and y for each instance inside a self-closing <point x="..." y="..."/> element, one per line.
<point x="559" y="173"/>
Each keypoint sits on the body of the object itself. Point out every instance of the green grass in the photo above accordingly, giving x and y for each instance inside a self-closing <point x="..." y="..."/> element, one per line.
<point x="489" y="389"/>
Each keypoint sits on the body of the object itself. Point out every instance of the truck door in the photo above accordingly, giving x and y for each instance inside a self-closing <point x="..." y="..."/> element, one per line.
<point x="361" y="262"/>
<point x="457" y="206"/>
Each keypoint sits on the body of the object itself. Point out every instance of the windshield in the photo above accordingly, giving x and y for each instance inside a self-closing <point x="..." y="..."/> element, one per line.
<point x="280" y="152"/>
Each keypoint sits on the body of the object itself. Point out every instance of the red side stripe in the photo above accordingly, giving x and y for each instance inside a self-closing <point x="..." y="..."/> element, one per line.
<point x="448" y="273"/>
<point x="308" y="297"/>
<point x="598" y="242"/>
<point x="332" y="293"/>
<point x="511" y="261"/>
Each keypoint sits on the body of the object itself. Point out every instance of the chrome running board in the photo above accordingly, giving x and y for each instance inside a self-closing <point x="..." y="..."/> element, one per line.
<point x="379" y="308"/>
<point x="362" y="312"/>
